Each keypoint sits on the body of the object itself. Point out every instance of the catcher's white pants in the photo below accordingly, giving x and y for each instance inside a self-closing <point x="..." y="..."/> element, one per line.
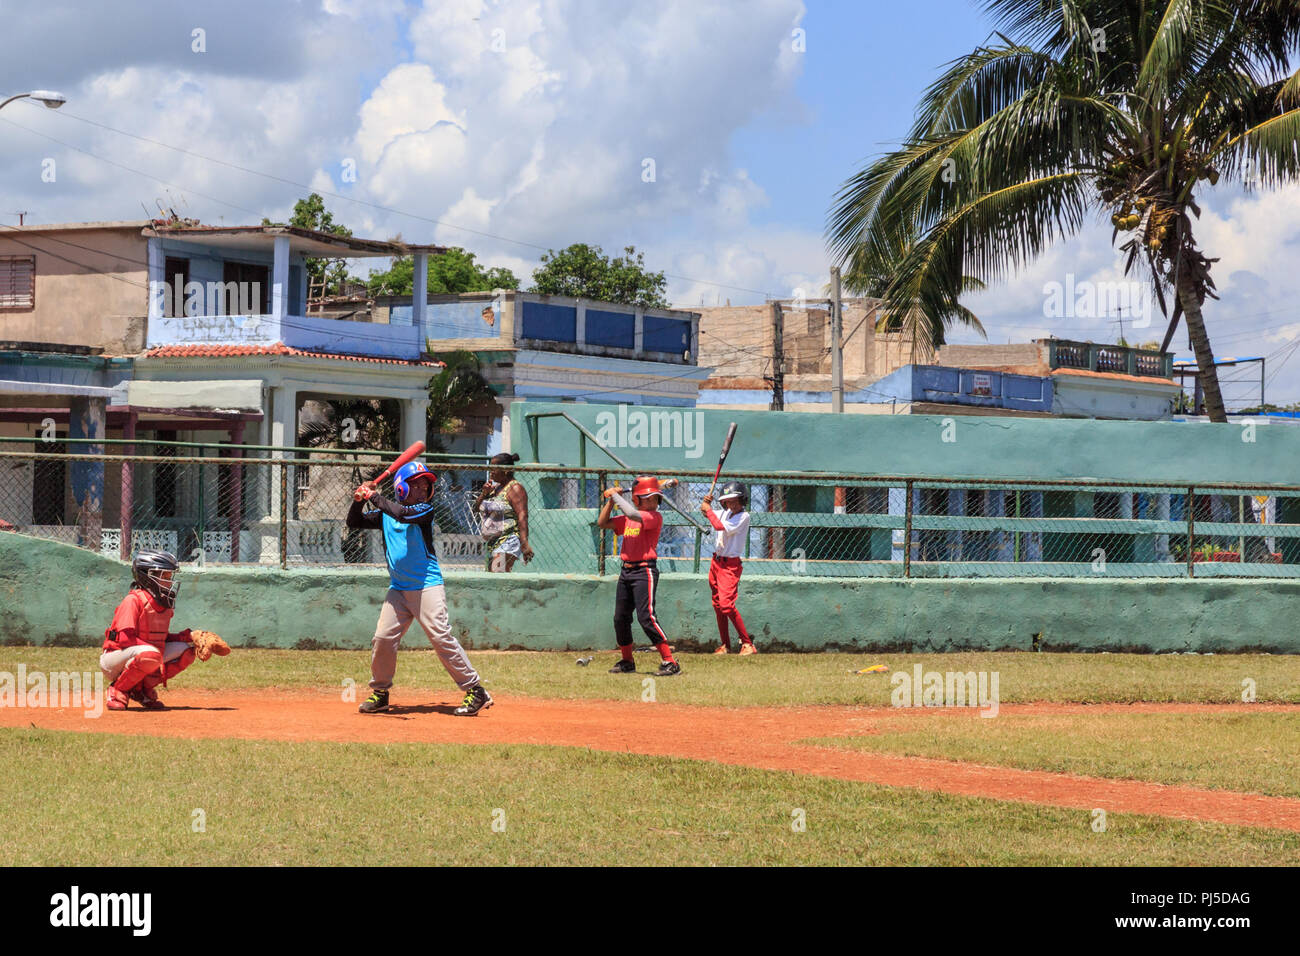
<point x="429" y="606"/>
<point x="112" y="663"/>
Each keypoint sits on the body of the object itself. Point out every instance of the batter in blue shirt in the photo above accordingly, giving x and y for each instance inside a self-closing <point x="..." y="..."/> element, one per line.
<point x="416" y="588"/>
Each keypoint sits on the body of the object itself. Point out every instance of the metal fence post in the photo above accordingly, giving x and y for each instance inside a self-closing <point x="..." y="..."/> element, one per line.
<point x="284" y="514"/>
<point x="202" y="506"/>
<point x="600" y="551"/>
<point x="907" y="534"/>
<point x="1191" y="531"/>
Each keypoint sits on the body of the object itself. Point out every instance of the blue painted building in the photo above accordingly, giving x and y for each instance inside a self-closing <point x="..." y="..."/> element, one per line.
<point x="1047" y="377"/>
<point x="555" y="348"/>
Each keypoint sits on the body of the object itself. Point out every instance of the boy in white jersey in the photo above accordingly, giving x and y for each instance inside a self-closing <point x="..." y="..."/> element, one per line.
<point x="724" y="571"/>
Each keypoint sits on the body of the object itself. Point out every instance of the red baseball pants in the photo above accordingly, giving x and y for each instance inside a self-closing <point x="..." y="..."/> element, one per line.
<point x="724" y="582"/>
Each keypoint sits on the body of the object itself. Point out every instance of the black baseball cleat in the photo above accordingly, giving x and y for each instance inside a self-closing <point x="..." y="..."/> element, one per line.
<point x="668" y="669"/>
<point x="148" y="699"/>
<point x="376" y="703"/>
<point x="623" y="667"/>
<point x="476" y="699"/>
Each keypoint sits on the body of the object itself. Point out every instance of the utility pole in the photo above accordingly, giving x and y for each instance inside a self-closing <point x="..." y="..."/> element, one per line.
<point x="837" y="344"/>
<point x="837" y="371"/>
<point x="778" y="361"/>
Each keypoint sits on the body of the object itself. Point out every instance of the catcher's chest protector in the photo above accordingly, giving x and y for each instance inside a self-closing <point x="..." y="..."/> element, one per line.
<point x="154" y="622"/>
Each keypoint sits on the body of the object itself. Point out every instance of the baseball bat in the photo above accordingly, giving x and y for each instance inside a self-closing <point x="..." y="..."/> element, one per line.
<point x="411" y="453"/>
<point x="415" y="451"/>
<point x="726" y="447"/>
<point x="624" y="505"/>
<point x="666" y="483"/>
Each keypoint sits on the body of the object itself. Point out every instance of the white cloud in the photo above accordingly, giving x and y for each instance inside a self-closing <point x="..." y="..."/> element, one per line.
<point x="561" y="103"/>
<point x="1254" y="237"/>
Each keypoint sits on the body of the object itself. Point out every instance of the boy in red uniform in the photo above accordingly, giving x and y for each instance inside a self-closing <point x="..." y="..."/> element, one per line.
<point x="724" y="570"/>
<point x="139" y="651"/>
<point x="639" y="579"/>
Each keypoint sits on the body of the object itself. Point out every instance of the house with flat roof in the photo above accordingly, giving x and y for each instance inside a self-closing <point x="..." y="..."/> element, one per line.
<point x="1048" y="377"/>
<point x="535" y="347"/>
<point x="178" y="331"/>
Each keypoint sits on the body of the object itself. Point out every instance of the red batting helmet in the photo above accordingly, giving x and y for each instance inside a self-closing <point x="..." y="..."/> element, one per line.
<point x="646" y="486"/>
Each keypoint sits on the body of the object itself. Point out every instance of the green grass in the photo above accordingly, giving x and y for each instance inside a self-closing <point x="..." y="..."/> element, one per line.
<point x="1243" y="752"/>
<point x="767" y="679"/>
<point x="91" y="799"/>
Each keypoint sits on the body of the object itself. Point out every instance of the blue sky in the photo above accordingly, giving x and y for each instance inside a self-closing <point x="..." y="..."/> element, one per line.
<point x="512" y="126"/>
<point x="864" y="68"/>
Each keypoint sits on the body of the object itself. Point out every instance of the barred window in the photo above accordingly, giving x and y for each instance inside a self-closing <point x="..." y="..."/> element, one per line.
<point x="17" y="283"/>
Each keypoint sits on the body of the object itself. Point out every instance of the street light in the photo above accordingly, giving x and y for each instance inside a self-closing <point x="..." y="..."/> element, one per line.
<point x="50" y="98"/>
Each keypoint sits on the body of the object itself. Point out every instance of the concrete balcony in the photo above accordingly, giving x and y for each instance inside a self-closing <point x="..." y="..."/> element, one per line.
<point x="247" y="286"/>
<point x="309" y="333"/>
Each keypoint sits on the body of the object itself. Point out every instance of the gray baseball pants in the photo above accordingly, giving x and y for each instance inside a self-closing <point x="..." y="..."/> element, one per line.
<point x="429" y="607"/>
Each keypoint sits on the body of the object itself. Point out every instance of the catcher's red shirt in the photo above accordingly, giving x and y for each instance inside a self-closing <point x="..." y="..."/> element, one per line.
<point x="141" y="619"/>
<point x="639" y="540"/>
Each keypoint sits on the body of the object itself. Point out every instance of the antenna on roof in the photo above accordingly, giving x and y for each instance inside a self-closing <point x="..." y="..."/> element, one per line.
<point x="21" y="216"/>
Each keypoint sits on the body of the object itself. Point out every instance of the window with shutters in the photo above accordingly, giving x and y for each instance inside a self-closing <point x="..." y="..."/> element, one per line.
<point x="17" y="283"/>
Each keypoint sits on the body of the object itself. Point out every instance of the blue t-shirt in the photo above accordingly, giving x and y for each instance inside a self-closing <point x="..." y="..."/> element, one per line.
<point x="408" y="541"/>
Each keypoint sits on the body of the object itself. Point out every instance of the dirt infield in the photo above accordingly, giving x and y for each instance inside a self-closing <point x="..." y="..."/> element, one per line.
<point x="761" y="737"/>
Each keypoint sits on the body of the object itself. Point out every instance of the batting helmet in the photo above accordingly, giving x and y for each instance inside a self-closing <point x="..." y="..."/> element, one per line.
<point x="646" y="486"/>
<point x="409" y="472"/>
<point x="147" y="570"/>
<point x="733" y="489"/>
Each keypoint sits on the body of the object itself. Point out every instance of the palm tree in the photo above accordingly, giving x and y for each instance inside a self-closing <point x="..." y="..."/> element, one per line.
<point x="1081" y="110"/>
<point x="456" y="389"/>
<point x="354" y="423"/>
<point x="371" y="423"/>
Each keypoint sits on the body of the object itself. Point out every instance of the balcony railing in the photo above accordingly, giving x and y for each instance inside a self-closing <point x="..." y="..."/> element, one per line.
<point x="1109" y="358"/>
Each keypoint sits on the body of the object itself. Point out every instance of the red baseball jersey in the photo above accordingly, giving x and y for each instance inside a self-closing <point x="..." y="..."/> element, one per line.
<point x="639" y="540"/>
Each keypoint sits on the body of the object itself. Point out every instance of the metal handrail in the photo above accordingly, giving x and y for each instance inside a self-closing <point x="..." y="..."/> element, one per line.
<point x="764" y="477"/>
<point x="531" y="419"/>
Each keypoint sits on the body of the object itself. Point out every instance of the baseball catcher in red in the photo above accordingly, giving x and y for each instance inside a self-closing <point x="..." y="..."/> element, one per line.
<point x="140" y="649"/>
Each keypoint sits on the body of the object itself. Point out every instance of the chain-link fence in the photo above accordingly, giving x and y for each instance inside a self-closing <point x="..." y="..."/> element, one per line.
<point x="216" y="508"/>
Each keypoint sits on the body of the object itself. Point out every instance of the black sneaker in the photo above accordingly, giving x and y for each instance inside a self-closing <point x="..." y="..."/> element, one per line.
<point x="376" y="703"/>
<point x="476" y="699"/>
<point x="623" y="667"/>
<point x="668" y="669"/>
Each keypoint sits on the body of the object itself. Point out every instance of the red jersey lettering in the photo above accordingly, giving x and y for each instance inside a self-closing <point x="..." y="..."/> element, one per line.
<point x="639" y="540"/>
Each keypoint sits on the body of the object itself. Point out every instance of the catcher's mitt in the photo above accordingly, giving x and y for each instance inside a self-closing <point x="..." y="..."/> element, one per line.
<point x="206" y="644"/>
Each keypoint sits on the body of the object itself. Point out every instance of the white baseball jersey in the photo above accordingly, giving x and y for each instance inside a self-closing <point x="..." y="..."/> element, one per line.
<point x="731" y="539"/>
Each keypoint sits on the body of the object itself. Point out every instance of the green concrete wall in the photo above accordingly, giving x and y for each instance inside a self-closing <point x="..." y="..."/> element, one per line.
<point x="52" y="593"/>
<point x="1179" y="453"/>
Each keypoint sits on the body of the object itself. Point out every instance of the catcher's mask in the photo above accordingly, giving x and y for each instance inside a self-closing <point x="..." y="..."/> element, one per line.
<point x="409" y="473"/>
<point x="157" y="572"/>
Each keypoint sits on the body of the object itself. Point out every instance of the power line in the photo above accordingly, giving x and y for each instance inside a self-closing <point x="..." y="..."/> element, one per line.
<point x="334" y="195"/>
<point x="128" y="169"/>
<point x="74" y="262"/>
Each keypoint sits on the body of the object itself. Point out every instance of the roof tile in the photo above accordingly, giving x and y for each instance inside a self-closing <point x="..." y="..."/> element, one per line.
<point x="279" y="348"/>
